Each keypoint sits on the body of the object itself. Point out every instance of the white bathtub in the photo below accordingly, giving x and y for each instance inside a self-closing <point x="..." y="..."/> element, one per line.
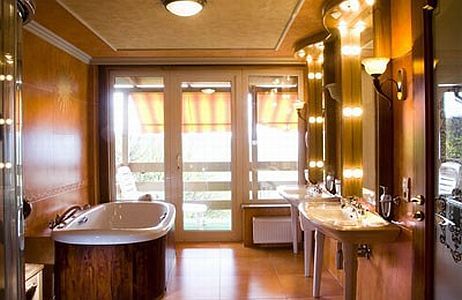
<point x="118" y="223"/>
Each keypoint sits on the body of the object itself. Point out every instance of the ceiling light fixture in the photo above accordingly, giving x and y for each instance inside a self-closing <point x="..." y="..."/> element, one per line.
<point x="184" y="8"/>
<point x="208" y="91"/>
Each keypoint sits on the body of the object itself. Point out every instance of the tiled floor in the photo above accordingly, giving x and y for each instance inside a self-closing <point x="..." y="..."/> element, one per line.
<point x="231" y="271"/>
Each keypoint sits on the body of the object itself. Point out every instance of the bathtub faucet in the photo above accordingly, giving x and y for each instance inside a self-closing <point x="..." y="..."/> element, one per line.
<point x="67" y="214"/>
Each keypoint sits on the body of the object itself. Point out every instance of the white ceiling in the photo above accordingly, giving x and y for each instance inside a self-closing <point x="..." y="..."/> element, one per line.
<point x="223" y="24"/>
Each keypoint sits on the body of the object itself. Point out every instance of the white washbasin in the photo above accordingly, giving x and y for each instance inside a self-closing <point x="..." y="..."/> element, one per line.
<point x="347" y="226"/>
<point x="295" y="194"/>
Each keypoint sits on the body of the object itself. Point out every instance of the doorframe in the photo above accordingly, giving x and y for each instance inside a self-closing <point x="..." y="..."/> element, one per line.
<point x="177" y="77"/>
<point x="430" y="153"/>
<point x="240" y="73"/>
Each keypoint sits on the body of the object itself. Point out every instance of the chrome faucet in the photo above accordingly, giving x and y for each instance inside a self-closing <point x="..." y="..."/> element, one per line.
<point x="353" y="204"/>
<point x="67" y="214"/>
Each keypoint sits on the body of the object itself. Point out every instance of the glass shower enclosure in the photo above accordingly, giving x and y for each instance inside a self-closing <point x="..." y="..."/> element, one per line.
<point x="13" y="14"/>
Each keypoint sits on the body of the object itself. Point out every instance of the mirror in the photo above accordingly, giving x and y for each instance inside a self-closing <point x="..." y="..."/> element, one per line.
<point x="351" y="26"/>
<point x="345" y="99"/>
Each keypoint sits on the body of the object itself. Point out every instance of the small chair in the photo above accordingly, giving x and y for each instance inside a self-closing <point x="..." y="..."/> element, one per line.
<point x="449" y="177"/>
<point x="126" y="184"/>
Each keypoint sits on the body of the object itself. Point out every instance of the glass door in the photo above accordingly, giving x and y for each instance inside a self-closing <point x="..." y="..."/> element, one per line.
<point x="139" y="137"/>
<point x="448" y="169"/>
<point x="204" y="160"/>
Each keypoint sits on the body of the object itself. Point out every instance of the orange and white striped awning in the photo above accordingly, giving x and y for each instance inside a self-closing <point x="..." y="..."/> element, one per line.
<point x="205" y="113"/>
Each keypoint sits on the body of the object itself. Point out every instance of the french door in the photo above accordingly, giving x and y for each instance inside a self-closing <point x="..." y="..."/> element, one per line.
<point x="203" y="132"/>
<point x="175" y="140"/>
<point x="205" y="141"/>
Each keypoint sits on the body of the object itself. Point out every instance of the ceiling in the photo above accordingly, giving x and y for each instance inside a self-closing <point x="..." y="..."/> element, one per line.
<point x="118" y="29"/>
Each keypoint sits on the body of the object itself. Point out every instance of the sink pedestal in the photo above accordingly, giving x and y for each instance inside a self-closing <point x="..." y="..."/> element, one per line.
<point x="350" y="266"/>
<point x="330" y="219"/>
<point x="294" y="227"/>
<point x="318" y="254"/>
<point x="308" y="231"/>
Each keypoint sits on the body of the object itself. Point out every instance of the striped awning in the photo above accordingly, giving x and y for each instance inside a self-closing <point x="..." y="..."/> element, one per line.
<point x="207" y="113"/>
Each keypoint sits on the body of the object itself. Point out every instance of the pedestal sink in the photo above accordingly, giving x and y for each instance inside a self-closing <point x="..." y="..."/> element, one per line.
<point x="294" y="195"/>
<point x="329" y="218"/>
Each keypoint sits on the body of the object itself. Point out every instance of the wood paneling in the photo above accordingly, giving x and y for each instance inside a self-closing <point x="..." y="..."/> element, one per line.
<point x="58" y="132"/>
<point x="397" y="270"/>
<point x="132" y="271"/>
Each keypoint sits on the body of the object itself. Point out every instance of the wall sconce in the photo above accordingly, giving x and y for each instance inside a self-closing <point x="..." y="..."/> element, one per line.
<point x="376" y="66"/>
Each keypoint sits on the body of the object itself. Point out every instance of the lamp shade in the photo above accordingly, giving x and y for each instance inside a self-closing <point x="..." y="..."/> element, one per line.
<point x="184" y="8"/>
<point x="375" y="65"/>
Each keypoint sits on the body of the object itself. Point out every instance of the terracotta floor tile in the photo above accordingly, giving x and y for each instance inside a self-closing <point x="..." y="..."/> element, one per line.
<point x="199" y="253"/>
<point x="193" y="287"/>
<point x="197" y="267"/>
<point x="296" y="285"/>
<point x="246" y="266"/>
<point x="288" y="265"/>
<point x="213" y="271"/>
<point x="238" y="250"/>
<point x="250" y="287"/>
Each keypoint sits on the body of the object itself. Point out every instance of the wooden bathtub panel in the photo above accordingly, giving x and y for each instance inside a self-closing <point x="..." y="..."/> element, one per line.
<point x="125" y="272"/>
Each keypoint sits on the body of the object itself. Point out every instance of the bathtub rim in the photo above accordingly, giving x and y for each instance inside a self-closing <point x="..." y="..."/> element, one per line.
<point x="69" y="234"/>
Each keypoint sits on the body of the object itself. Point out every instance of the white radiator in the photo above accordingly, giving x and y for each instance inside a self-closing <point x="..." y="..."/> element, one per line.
<point x="271" y="230"/>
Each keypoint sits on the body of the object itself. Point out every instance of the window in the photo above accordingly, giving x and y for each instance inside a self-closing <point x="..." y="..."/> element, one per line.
<point x="138" y="116"/>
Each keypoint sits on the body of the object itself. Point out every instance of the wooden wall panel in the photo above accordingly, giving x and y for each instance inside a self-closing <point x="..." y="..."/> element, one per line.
<point x="392" y="271"/>
<point x="58" y="130"/>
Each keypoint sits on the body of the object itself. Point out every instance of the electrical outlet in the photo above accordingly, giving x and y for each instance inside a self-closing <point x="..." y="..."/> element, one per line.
<point x="406" y="188"/>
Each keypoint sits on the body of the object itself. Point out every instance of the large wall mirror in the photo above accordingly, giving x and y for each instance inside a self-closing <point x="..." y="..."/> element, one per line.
<point x="351" y="109"/>
<point x="351" y="26"/>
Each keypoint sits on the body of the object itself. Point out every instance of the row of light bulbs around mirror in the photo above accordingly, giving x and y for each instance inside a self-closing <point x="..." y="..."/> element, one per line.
<point x="348" y="112"/>
<point x="8" y="77"/>
<point x="6" y="121"/>
<point x="6" y="165"/>
<point x="354" y="173"/>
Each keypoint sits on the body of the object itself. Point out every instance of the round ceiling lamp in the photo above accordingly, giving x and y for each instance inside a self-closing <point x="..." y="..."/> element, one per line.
<point x="184" y="8"/>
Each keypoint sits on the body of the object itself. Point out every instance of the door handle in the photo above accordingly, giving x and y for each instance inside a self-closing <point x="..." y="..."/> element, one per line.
<point x="443" y="221"/>
<point x="419" y="215"/>
<point x="419" y="200"/>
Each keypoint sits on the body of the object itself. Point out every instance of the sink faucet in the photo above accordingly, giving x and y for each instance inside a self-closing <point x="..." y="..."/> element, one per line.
<point x="67" y="214"/>
<point x="354" y="205"/>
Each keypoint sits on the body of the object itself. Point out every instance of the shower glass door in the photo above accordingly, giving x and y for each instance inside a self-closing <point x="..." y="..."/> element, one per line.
<point x="11" y="219"/>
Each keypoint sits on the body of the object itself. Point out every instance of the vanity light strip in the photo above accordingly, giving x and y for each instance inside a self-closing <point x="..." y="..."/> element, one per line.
<point x="7" y="121"/>
<point x="6" y="165"/>
<point x="315" y="75"/>
<point x="316" y="119"/>
<point x="316" y="164"/>
<point x="352" y="111"/>
<point x="355" y="173"/>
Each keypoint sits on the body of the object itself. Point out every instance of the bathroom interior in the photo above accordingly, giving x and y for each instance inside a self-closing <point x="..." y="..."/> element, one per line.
<point x="246" y="149"/>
